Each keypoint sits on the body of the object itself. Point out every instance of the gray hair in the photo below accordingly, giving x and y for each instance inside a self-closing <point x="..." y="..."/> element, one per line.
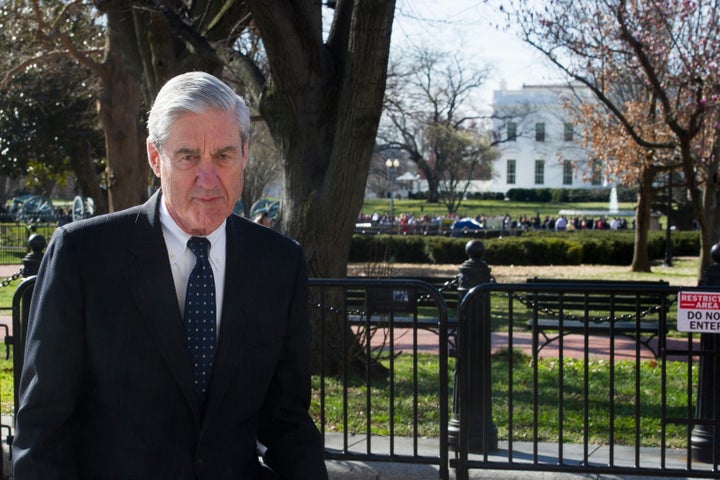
<point x="193" y="92"/>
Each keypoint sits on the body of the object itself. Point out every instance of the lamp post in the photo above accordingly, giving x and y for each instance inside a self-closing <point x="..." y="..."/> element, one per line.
<point x="392" y="165"/>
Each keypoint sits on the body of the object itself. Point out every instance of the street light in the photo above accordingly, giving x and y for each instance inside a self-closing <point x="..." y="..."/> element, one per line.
<point x="392" y="165"/>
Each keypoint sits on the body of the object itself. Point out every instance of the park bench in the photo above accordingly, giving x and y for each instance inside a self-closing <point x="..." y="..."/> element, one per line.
<point x="374" y="308"/>
<point x="597" y="310"/>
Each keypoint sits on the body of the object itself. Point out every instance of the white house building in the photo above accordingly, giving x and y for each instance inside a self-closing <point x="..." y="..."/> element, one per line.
<point x="540" y="146"/>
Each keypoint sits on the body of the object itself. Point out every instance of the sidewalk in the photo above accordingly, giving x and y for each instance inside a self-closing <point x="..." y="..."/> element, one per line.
<point x="522" y="453"/>
<point x="9" y="270"/>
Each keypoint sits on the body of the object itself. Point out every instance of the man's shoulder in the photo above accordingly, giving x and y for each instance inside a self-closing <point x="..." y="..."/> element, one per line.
<point x="106" y="226"/>
<point x="261" y="234"/>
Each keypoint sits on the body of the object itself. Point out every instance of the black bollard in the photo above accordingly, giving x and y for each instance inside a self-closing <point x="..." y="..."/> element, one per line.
<point x="31" y="261"/>
<point x="474" y="354"/>
<point x="706" y="437"/>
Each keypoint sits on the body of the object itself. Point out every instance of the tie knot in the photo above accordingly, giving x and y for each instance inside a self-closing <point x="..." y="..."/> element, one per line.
<point x="199" y="246"/>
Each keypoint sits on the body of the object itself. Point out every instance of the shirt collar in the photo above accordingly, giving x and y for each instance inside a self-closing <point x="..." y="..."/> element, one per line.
<point x="176" y="238"/>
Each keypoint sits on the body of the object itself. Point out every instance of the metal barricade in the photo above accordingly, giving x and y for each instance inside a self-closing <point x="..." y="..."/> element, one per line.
<point x="586" y="395"/>
<point x="357" y="393"/>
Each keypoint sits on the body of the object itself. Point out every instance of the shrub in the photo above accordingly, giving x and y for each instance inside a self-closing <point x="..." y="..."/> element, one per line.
<point x="531" y="248"/>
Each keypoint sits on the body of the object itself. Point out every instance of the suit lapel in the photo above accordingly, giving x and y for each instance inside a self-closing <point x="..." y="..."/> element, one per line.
<point x="236" y="310"/>
<point x="155" y="294"/>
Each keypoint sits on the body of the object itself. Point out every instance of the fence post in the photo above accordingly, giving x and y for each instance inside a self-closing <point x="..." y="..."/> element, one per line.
<point x="31" y="261"/>
<point x="473" y="358"/>
<point x="705" y="437"/>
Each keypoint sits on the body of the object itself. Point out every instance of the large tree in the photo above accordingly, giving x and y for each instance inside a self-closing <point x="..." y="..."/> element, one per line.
<point x="318" y="87"/>
<point x="430" y="117"/>
<point x="670" y="48"/>
<point x="48" y="124"/>
<point x="623" y="161"/>
<point x="48" y="129"/>
<point x="71" y="29"/>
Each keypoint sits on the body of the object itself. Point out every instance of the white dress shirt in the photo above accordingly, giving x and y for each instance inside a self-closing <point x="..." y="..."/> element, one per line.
<point x="182" y="260"/>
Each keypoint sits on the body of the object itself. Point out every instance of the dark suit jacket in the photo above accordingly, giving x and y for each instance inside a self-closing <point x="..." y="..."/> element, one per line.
<point x="106" y="391"/>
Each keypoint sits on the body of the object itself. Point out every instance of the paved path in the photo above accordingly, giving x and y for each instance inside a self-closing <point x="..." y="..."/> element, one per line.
<point x="8" y="270"/>
<point x="573" y="345"/>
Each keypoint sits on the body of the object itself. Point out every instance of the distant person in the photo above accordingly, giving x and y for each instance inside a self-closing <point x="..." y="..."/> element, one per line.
<point x="62" y="217"/>
<point x="128" y="374"/>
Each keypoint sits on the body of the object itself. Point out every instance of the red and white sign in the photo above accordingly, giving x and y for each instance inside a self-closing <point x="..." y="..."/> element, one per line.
<point x="698" y="311"/>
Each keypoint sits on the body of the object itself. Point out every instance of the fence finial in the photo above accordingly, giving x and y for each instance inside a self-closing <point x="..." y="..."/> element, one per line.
<point x="31" y="261"/>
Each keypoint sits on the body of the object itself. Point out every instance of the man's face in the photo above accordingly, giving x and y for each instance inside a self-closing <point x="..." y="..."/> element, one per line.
<point x="200" y="168"/>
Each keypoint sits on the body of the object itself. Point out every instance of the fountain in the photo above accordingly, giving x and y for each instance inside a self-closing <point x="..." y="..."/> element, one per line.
<point x="612" y="211"/>
<point x="613" y="208"/>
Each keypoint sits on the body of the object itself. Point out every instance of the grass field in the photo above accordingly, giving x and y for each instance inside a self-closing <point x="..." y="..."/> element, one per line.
<point x="527" y="409"/>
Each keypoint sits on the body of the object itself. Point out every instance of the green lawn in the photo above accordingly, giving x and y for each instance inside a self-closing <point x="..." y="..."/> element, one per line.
<point x="6" y="385"/>
<point x="6" y="380"/>
<point x="524" y="411"/>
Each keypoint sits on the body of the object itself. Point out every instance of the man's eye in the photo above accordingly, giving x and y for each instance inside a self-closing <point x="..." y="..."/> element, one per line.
<point x="225" y="157"/>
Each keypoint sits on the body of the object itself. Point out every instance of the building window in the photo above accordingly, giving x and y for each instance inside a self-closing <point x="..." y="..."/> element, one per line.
<point x="512" y="132"/>
<point x="539" y="172"/>
<point x="540" y="132"/>
<point x="511" y="165"/>
<point x="567" y="172"/>
<point x="568" y="135"/>
<point x="596" y="178"/>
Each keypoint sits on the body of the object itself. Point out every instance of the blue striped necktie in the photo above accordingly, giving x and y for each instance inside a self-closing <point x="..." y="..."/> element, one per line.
<point x="200" y="317"/>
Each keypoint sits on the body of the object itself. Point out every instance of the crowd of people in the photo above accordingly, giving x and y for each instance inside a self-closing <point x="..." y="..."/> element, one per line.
<point x="562" y="222"/>
<point x="411" y="223"/>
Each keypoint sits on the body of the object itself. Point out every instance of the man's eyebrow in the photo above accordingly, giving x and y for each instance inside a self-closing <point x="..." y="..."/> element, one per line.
<point x="228" y="149"/>
<point x="186" y="150"/>
<point x="196" y="151"/>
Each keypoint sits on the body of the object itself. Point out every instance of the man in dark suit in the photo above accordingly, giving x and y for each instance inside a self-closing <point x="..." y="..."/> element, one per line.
<point x="113" y="386"/>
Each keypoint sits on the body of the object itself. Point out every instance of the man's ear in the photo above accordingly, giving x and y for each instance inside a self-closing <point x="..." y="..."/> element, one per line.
<point x="153" y="158"/>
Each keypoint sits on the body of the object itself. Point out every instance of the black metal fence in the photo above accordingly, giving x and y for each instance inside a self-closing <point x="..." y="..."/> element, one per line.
<point x="594" y="378"/>
<point x="574" y="377"/>
<point x="14" y="239"/>
<point x="367" y="407"/>
<point x="587" y="377"/>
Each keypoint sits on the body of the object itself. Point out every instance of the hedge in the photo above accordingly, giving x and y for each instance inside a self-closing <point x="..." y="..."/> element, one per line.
<point x="533" y="248"/>
<point x="572" y="195"/>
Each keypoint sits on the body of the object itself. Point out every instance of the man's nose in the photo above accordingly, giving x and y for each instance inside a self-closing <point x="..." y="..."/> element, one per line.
<point x="206" y="172"/>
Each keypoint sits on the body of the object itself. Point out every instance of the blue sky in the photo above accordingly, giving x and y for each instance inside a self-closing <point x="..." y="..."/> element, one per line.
<point x="471" y="27"/>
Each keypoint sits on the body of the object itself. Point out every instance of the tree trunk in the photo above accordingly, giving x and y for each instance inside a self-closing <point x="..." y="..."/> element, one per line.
<point x="709" y="235"/>
<point x="641" y="259"/>
<point x="119" y="109"/>
<point x="323" y="109"/>
<point x="87" y="178"/>
<point x="433" y="189"/>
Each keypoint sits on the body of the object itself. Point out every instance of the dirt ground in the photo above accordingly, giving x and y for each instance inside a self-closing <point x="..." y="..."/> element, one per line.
<point x="683" y="273"/>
